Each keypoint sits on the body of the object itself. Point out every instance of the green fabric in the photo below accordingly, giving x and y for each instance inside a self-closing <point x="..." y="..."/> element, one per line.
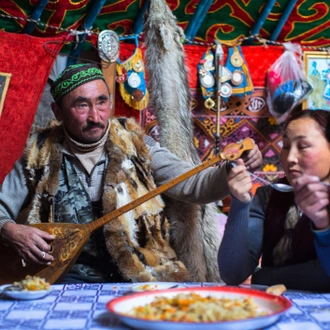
<point x="226" y="20"/>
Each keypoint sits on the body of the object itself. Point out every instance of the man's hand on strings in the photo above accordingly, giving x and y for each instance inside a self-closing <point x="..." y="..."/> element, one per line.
<point x="31" y="244"/>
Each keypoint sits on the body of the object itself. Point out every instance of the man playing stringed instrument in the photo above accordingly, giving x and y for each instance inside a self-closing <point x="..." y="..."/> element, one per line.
<point x="89" y="166"/>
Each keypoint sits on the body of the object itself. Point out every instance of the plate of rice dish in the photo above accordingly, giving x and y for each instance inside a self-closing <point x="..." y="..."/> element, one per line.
<point x="199" y="308"/>
<point x="32" y="287"/>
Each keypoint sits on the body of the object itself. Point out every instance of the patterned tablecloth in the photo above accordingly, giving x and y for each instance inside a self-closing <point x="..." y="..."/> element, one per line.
<point x="82" y="306"/>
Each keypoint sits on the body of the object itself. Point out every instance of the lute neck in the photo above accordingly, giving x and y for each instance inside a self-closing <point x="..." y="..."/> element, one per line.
<point x="123" y="209"/>
<point x="231" y="152"/>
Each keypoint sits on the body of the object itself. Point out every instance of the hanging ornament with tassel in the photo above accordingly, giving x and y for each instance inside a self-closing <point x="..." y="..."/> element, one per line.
<point x="206" y="70"/>
<point x="132" y="82"/>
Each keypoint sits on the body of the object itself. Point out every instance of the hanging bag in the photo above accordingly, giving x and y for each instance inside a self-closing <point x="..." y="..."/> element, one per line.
<point x="287" y="83"/>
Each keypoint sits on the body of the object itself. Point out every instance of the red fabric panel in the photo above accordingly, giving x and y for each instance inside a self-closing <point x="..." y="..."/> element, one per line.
<point x="29" y="60"/>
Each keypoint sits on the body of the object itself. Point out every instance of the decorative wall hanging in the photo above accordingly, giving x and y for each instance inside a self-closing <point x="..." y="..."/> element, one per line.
<point x="227" y="20"/>
<point x="239" y="82"/>
<point x="4" y="83"/>
<point x="132" y="82"/>
<point x="108" y="46"/>
<point x="239" y="116"/>
<point x="235" y="77"/>
<point x="206" y="69"/>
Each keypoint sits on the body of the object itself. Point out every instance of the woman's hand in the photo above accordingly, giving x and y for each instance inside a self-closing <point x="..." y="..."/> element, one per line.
<point x="312" y="197"/>
<point x="252" y="158"/>
<point x="240" y="182"/>
<point x="30" y="243"/>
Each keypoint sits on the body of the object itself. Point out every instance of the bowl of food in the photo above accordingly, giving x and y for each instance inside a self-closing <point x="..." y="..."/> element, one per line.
<point x="32" y="287"/>
<point x="199" y="308"/>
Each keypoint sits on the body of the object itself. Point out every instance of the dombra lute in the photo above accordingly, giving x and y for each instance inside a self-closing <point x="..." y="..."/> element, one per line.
<point x="71" y="238"/>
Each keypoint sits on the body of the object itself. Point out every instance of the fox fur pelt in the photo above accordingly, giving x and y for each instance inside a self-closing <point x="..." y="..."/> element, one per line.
<point x="195" y="233"/>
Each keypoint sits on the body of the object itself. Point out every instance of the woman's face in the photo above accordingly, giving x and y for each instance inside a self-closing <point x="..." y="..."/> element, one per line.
<point x="305" y="150"/>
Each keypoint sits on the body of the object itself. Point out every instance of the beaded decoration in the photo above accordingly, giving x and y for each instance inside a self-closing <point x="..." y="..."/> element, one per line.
<point x="132" y="82"/>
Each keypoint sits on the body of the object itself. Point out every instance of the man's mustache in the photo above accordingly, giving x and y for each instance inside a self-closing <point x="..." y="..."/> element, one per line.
<point x="93" y="125"/>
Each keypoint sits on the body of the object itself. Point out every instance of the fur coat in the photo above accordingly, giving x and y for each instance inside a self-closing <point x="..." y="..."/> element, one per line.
<point x="138" y="241"/>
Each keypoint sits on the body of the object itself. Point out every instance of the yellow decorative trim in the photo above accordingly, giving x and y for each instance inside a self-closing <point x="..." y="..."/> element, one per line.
<point x="132" y="61"/>
<point x="4" y="83"/>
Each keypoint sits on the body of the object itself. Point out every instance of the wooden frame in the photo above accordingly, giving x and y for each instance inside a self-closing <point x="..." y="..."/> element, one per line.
<point x="317" y="69"/>
<point x="4" y="83"/>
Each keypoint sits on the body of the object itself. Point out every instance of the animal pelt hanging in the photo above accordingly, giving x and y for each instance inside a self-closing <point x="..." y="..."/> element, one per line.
<point x="194" y="230"/>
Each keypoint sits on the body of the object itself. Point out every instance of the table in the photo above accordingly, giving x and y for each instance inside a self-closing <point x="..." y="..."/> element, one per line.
<point x="82" y="306"/>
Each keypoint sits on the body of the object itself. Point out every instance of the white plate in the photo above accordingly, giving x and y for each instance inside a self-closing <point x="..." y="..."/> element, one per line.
<point x="152" y="286"/>
<point x="273" y="305"/>
<point x="23" y="295"/>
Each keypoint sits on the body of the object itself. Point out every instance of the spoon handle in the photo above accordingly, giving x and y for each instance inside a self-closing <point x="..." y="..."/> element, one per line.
<point x="253" y="175"/>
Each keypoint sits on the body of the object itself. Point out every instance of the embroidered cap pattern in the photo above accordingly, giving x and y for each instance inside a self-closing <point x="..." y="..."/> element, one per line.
<point x="74" y="76"/>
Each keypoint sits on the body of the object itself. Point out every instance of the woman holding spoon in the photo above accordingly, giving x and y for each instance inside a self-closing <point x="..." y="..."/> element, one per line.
<point x="313" y="199"/>
<point x="271" y="226"/>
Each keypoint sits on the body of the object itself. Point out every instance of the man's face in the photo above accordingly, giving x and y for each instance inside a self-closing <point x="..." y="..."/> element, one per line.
<point x="85" y="111"/>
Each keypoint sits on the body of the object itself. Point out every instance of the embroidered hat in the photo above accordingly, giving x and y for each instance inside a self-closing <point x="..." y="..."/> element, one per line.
<point x="74" y="76"/>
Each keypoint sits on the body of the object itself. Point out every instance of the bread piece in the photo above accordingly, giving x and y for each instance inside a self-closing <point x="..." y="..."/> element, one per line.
<point x="277" y="289"/>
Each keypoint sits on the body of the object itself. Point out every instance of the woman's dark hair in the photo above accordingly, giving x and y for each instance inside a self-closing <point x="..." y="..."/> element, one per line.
<point x="322" y="117"/>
